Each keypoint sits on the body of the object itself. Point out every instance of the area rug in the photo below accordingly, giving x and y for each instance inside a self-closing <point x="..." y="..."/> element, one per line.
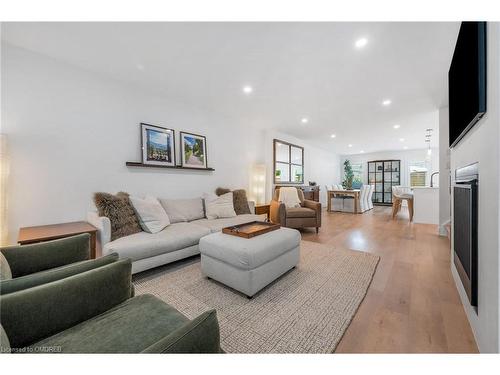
<point x="307" y="310"/>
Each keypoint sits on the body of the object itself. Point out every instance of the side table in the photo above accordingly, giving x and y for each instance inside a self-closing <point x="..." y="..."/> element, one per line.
<point x="43" y="233"/>
<point x="262" y="209"/>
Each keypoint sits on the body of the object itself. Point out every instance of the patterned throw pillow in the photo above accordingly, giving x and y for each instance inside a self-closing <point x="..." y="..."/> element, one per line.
<point x="120" y="212"/>
<point x="240" y="201"/>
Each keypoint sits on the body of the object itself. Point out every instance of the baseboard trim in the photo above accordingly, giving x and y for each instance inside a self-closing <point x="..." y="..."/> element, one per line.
<point x="443" y="230"/>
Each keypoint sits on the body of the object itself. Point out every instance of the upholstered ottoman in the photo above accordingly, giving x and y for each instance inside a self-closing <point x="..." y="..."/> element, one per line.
<point x="248" y="265"/>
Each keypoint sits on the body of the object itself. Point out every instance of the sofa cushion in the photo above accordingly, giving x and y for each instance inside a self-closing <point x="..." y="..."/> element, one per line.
<point x="219" y="206"/>
<point x="5" y="272"/>
<point x="300" y="212"/>
<point x="179" y="210"/>
<point x="120" y="212"/>
<point x="144" y="245"/>
<point x="216" y="225"/>
<point x="130" y="327"/>
<point x="151" y="214"/>
<point x="240" y="201"/>
<point x="251" y="253"/>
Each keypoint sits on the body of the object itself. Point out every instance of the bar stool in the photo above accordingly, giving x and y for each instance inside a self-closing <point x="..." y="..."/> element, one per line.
<point x="400" y="193"/>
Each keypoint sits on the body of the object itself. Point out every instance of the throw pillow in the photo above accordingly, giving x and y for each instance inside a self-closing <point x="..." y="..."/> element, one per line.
<point x="219" y="191"/>
<point x="240" y="201"/>
<point x="5" y="271"/>
<point x="151" y="214"/>
<point x="118" y="209"/>
<point x="179" y="210"/>
<point x="219" y="207"/>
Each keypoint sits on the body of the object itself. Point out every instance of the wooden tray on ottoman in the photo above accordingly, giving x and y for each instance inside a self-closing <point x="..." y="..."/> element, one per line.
<point x="251" y="229"/>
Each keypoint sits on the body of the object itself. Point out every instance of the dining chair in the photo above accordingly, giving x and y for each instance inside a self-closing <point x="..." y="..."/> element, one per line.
<point x="363" y="194"/>
<point x="337" y="200"/>
<point x="369" y="197"/>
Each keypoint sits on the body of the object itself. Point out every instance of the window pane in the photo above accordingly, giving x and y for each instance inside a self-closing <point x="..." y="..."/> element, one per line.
<point x="387" y="166"/>
<point x="281" y="174"/>
<point x="297" y="174"/>
<point x="357" y="170"/>
<point x="371" y="167"/>
<point x="296" y="155"/>
<point x="387" y="198"/>
<point x="371" y="178"/>
<point x="418" y="173"/>
<point x="282" y="152"/>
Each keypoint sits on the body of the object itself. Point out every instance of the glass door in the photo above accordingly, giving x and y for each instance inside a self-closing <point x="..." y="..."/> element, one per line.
<point x="384" y="174"/>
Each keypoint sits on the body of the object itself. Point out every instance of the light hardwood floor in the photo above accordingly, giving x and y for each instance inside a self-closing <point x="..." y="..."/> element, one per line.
<point x="412" y="305"/>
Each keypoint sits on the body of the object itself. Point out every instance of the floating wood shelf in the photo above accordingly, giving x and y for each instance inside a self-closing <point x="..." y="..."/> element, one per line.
<point x="139" y="164"/>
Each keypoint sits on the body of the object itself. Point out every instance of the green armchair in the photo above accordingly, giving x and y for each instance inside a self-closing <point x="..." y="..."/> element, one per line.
<point x="27" y="266"/>
<point x="93" y="312"/>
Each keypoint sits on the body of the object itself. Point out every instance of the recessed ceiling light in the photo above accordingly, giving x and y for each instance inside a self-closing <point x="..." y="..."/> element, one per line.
<point x="387" y="102"/>
<point x="140" y="67"/>
<point x="333" y="135"/>
<point x="247" y="89"/>
<point x="406" y="147"/>
<point x="401" y="139"/>
<point x="361" y="42"/>
<point x="397" y="126"/>
<point x="362" y="152"/>
<point x="349" y="145"/>
<point x="304" y="120"/>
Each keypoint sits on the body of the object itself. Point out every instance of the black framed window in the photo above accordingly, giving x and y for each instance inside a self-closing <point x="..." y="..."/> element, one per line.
<point x="288" y="163"/>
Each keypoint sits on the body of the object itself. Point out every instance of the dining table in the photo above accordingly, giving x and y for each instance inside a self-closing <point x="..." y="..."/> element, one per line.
<point x="352" y="193"/>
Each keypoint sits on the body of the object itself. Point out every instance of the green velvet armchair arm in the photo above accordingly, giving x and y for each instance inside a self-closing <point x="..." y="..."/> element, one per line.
<point x="28" y="259"/>
<point x="200" y="335"/>
<point x="33" y="314"/>
<point x="44" y="277"/>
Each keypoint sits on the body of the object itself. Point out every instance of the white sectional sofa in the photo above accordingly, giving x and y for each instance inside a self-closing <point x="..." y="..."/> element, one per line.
<point x="177" y="241"/>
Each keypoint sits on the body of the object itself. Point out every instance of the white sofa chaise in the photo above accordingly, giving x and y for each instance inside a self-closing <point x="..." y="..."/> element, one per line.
<point x="177" y="241"/>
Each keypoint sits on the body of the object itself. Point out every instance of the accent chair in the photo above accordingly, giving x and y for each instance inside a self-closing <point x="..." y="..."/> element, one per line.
<point x="307" y="215"/>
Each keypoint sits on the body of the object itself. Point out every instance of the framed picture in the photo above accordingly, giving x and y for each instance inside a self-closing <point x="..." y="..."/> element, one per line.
<point x="193" y="150"/>
<point x="157" y="145"/>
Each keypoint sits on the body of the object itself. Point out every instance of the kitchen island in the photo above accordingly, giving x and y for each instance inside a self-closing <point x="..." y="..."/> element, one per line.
<point x="426" y="204"/>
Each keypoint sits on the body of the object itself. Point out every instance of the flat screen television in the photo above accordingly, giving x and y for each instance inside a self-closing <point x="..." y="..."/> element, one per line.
<point x="467" y="80"/>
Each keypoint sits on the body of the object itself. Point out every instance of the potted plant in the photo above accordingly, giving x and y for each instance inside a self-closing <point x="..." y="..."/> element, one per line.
<point x="278" y="174"/>
<point x="348" y="174"/>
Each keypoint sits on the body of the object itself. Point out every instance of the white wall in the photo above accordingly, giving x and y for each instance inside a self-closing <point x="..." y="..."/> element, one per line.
<point x="444" y="170"/>
<point x="481" y="145"/>
<point x="406" y="157"/>
<point x="320" y="166"/>
<point x="71" y="132"/>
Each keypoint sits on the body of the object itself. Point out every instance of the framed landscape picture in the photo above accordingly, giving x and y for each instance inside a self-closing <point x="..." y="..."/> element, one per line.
<point x="158" y="145"/>
<point x="193" y="150"/>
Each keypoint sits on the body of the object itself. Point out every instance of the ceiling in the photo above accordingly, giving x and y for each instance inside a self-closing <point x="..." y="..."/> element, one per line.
<point x="296" y="70"/>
